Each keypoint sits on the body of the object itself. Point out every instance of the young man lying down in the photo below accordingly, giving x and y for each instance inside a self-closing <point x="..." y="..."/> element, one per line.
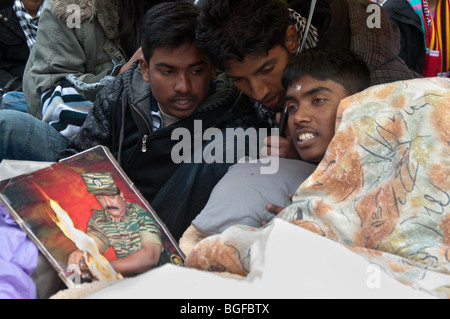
<point x="315" y="81"/>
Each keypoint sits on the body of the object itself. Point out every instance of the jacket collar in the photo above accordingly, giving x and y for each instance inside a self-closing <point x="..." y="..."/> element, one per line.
<point x="139" y="92"/>
<point x="104" y="10"/>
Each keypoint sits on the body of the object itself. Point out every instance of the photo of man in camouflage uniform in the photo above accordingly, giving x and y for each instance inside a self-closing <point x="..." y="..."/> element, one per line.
<point x="127" y="227"/>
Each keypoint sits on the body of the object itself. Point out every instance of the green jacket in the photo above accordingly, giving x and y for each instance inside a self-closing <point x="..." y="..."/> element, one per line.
<point x="78" y="37"/>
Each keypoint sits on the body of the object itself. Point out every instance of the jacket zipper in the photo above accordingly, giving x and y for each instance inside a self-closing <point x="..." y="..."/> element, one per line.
<point x="144" y="143"/>
<point x="145" y="137"/>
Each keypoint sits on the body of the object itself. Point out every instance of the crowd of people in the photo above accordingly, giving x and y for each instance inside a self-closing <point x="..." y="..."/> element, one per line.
<point x="126" y="74"/>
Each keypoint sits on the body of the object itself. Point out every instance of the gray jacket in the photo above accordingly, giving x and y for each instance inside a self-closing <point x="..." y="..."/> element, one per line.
<point x="78" y="37"/>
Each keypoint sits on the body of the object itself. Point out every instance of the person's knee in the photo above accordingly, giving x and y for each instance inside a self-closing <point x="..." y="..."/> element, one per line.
<point x="14" y="101"/>
<point x="11" y="121"/>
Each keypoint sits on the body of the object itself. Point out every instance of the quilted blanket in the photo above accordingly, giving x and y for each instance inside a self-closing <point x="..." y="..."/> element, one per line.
<point x="382" y="190"/>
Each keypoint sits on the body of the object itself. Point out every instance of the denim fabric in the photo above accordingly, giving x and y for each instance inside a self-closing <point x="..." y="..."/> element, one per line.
<point x="14" y="101"/>
<point x="24" y="137"/>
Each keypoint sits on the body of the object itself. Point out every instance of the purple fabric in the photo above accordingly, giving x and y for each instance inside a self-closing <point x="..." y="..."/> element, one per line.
<point x="18" y="260"/>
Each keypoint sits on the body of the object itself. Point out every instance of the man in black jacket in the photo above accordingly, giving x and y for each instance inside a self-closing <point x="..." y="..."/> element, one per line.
<point x="18" y="28"/>
<point x="172" y="86"/>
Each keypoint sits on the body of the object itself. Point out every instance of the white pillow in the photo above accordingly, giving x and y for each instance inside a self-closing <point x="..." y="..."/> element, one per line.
<point x="242" y="194"/>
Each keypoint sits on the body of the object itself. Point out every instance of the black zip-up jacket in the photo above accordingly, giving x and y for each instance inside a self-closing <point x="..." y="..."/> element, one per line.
<point x="14" y="50"/>
<point x="120" y="120"/>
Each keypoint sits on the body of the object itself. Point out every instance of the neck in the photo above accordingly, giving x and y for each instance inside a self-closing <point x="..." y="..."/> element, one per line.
<point x="32" y="6"/>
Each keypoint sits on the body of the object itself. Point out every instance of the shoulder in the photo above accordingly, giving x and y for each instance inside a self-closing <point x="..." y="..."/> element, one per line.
<point x="102" y="10"/>
<point x="97" y="216"/>
<point x="222" y="94"/>
<point x="136" y="209"/>
<point x="64" y="9"/>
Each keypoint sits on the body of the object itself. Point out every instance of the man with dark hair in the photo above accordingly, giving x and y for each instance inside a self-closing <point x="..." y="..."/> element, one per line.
<point x="173" y="85"/>
<point x="252" y="41"/>
<point x="316" y="81"/>
<point x="127" y="227"/>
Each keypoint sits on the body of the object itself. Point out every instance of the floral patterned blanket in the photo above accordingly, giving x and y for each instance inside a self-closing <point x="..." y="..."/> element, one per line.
<point x="382" y="189"/>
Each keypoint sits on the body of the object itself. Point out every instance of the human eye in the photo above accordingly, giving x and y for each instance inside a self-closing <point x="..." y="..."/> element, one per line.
<point x="319" y="101"/>
<point x="268" y="69"/>
<point x="197" y="71"/>
<point x="292" y="108"/>
<point x="166" y="72"/>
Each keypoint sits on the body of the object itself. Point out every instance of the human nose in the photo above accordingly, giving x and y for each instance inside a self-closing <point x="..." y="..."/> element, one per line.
<point x="107" y="200"/>
<point x="302" y="115"/>
<point x="259" y="90"/>
<point x="182" y="84"/>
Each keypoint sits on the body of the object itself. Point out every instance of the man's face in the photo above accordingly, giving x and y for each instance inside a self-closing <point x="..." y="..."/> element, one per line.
<point x="259" y="77"/>
<point x="180" y="78"/>
<point x="115" y="205"/>
<point x="312" y="106"/>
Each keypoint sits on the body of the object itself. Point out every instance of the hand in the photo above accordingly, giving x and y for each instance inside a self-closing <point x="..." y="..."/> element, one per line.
<point x="277" y="146"/>
<point x="75" y="259"/>
<point x="274" y="209"/>
<point x="136" y="56"/>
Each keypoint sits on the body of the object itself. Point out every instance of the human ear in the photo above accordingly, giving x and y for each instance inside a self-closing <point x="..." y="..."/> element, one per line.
<point x="144" y="69"/>
<point x="291" y="43"/>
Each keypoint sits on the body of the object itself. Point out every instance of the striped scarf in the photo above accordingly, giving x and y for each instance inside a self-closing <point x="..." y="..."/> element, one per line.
<point x="27" y="22"/>
<point x="437" y="36"/>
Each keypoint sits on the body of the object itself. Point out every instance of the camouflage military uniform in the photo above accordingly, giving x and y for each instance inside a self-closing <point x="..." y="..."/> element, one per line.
<point x="125" y="236"/>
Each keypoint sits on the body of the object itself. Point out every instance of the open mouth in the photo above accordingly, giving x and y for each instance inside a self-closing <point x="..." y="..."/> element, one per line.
<point x="304" y="137"/>
<point x="183" y="103"/>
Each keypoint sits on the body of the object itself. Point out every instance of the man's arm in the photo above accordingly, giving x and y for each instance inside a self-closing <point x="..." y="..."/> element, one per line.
<point x="140" y="261"/>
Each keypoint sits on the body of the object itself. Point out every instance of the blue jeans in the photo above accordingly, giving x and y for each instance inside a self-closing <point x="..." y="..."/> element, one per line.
<point x="14" y="101"/>
<point x="24" y="137"/>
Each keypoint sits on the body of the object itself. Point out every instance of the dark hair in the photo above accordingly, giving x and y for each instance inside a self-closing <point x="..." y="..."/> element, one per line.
<point x="233" y="29"/>
<point x="169" y="24"/>
<point x="131" y="13"/>
<point x="326" y="63"/>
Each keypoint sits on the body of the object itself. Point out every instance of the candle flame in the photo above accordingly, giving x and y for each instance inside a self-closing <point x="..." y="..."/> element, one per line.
<point x="98" y="265"/>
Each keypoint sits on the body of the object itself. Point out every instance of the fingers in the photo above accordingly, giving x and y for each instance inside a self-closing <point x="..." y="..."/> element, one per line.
<point x="276" y="146"/>
<point x="274" y="209"/>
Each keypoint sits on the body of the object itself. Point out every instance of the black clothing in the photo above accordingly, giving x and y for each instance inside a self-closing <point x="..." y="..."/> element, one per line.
<point x="412" y="38"/>
<point x="14" y="50"/>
